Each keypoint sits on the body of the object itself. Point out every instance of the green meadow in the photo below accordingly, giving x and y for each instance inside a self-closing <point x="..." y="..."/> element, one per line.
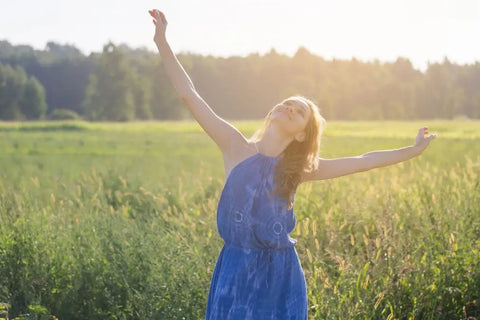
<point x="118" y="221"/>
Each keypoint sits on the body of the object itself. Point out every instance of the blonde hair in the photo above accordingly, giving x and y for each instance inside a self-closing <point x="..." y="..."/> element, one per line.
<point x="299" y="157"/>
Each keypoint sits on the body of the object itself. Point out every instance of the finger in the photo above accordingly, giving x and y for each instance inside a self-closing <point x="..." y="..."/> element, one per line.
<point x="162" y="16"/>
<point x="154" y="22"/>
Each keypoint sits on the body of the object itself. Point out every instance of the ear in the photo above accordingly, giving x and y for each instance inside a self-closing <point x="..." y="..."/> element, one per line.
<point x="300" y="137"/>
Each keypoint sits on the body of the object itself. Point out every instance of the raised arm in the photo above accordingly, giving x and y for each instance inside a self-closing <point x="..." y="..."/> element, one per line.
<point x="332" y="168"/>
<point x="223" y="133"/>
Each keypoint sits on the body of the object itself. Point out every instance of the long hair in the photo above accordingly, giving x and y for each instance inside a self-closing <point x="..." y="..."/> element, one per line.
<point x="299" y="157"/>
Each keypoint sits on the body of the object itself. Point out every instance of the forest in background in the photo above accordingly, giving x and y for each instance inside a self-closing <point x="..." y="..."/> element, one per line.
<point x="122" y="84"/>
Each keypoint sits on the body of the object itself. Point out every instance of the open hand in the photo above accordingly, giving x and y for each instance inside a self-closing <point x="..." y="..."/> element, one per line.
<point x="422" y="140"/>
<point x="160" y="23"/>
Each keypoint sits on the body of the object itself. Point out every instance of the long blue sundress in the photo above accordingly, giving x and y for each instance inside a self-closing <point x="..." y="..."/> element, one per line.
<point x="258" y="274"/>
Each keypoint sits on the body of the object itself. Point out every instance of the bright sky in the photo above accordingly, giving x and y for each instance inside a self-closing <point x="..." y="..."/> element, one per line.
<point x="421" y="30"/>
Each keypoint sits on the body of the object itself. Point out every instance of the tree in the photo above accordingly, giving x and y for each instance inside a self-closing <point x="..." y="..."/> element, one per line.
<point x="11" y="87"/>
<point x="141" y="97"/>
<point x="32" y="103"/>
<point x="125" y="83"/>
<point x="21" y="97"/>
<point x="109" y="94"/>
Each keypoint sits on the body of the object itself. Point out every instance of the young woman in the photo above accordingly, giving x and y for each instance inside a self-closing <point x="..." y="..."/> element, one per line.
<point x="258" y="274"/>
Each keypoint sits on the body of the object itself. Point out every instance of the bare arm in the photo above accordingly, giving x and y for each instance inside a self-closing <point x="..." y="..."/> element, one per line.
<point x="383" y="158"/>
<point x="223" y="133"/>
<point x="332" y="168"/>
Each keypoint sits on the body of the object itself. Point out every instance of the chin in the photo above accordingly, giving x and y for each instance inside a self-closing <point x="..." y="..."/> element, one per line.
<point x="282" y="123"/>
<point x="282" y="118"/>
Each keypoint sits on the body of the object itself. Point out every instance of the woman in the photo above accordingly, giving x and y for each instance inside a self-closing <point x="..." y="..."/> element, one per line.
<point x="258" y="274"/>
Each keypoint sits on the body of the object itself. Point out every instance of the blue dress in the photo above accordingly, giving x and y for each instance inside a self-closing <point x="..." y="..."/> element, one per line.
<point x="258" y="274"/>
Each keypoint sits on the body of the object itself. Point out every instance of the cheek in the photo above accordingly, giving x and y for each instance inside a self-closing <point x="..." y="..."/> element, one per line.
<point x="302" y="120"/>
<point x="304" y="124"/>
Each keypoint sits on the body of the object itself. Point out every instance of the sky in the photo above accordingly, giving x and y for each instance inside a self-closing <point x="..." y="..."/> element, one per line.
<point x="424" y="31"/>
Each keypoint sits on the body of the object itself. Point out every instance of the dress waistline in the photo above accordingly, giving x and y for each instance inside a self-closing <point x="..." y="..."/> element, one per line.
<point x="229" y="244"/>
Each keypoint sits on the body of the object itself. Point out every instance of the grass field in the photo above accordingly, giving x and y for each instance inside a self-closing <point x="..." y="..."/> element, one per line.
<point x="118" y="221"/>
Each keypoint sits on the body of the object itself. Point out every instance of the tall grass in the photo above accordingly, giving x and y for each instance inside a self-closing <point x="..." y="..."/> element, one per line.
<point x="118" y="221"/>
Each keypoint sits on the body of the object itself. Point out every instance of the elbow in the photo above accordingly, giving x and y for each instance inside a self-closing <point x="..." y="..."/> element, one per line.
<point x="185" y="99"/>
<point x="188" y="96"/>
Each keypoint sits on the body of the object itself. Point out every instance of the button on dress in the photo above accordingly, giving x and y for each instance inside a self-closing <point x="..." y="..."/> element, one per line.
<point x="258" y="274"/>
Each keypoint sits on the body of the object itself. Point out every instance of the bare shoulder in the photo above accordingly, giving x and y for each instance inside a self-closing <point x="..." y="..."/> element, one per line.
<point x="240" y="149"/>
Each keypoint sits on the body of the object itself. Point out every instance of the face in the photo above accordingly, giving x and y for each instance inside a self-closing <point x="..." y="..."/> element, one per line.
<point x="293" y="114"/>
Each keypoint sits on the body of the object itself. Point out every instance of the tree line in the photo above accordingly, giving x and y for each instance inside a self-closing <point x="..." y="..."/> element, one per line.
<point x="21" y="97"/>
<point x="122" y="83"/>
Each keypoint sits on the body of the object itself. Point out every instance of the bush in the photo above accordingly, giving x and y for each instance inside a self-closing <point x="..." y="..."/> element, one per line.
<point x="64" y="114"/>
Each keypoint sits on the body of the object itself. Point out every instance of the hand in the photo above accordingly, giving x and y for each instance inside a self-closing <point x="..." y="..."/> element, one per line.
<point x="160" y="23"/>
<point x="422" y="141"/>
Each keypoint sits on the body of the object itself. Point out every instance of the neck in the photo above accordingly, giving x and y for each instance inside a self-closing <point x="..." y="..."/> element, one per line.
<point x="273" y="142"/>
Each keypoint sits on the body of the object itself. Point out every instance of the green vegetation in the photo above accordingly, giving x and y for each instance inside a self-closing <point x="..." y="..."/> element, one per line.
<point x="22" y="97"/>
<point x="118" y="221"/>
<point x="124" y="84"/>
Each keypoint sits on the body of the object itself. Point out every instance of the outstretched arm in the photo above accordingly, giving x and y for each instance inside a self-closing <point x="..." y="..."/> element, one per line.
<point x="382" y="158"/>
<point x="332" y="168"/>
<point x="223" y="133"/>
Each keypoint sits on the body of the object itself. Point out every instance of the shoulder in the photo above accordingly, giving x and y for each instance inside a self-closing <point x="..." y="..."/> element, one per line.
<point x="237" y="154"/>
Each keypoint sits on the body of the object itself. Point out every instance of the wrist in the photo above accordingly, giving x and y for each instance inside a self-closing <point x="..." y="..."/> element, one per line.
<point x="160" y="40"/>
